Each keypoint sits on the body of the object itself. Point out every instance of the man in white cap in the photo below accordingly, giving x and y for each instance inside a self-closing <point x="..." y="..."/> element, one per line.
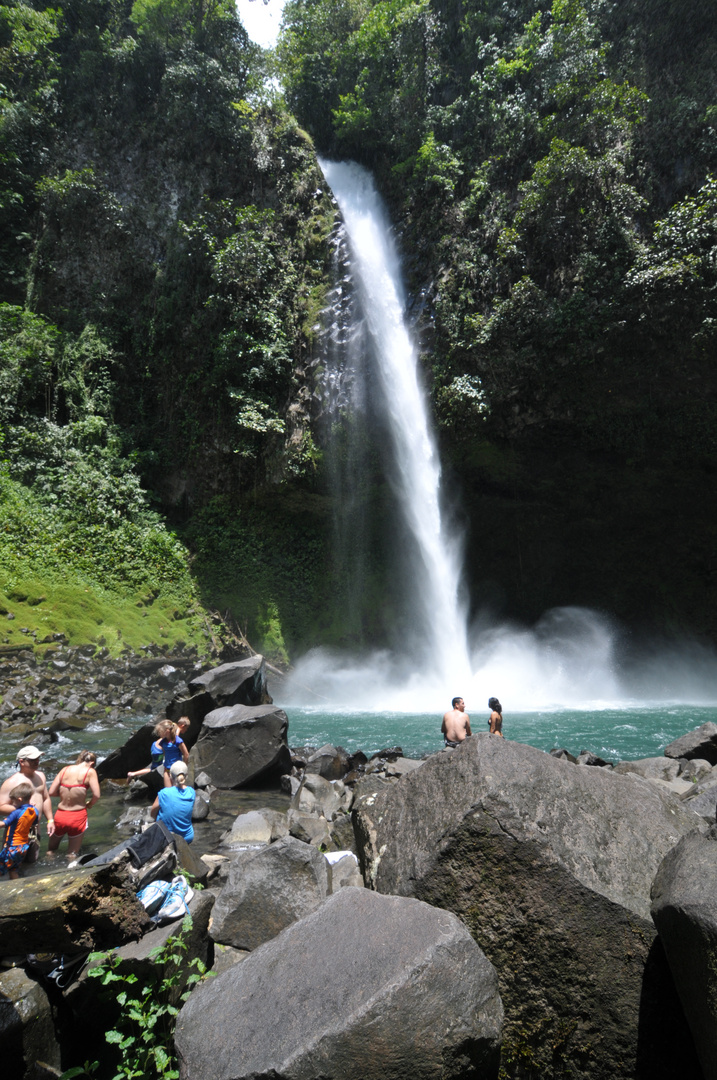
<point x="28" y="759"/>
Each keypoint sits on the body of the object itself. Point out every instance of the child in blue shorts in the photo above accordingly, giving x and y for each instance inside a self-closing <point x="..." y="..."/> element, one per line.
<point x="18" y="827"/>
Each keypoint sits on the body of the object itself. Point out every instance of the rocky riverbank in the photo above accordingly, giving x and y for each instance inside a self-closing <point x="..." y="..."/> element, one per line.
<point x="61" y="688"/>
<point x="488" y="909"/>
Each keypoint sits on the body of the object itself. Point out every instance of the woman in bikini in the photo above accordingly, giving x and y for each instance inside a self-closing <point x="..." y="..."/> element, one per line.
<point x="72" y="785"/>
<point x="495" y="722"/>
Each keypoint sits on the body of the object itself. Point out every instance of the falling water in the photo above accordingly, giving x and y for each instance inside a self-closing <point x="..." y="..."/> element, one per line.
<point x="572" y="658"/>
<point x="440" y="620"/>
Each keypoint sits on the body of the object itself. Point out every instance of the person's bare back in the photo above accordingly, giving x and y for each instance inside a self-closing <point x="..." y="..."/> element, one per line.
<point x="456" y="726"/>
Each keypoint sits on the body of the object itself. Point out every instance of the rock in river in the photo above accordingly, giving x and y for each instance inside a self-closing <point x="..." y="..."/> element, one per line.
<point x="240" y="743"/>
<point x="700" y="743"/>
<point x="550" y="866"/>
<point x="367" y="987"/>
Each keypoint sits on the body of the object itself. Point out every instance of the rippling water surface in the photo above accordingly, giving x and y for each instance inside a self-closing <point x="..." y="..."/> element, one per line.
<point x="613" y="733"/>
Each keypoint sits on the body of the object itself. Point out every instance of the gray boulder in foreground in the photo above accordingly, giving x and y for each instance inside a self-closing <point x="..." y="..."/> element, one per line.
<point x="267" y="890"/>
<point x="241" y="743"/>
<point x="550" y="866"/>
<point x="700" y="743"/>
<point x="27" y="1030"/>
<point x="684" y="909"/>
<point x="368" y="987"/>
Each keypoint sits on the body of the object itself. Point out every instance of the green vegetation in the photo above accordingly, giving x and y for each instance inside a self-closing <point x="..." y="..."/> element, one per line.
<point x="81" y="553"/>
<point x="163" y="249"/>
<point x="163" y="224"/>
<point x="143" y="1031"/>
<point x="551" y="169"/>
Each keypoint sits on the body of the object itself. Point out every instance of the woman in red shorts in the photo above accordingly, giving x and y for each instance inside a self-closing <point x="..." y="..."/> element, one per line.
<point x="72" y="785"/>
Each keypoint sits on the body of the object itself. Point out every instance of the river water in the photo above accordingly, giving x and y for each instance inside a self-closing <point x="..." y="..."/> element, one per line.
<point x="616" y="734"/>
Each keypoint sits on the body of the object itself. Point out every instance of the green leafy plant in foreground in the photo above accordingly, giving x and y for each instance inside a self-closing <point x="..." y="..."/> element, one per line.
<point x="144" y="1030"/>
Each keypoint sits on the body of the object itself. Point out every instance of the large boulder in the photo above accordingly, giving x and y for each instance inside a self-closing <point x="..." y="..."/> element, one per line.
<point x="134" y="755"/>
<point x="27" y="1030"/>
<point x="700" y="743"/>
<point x="550" y="866"/>
<point x="239" y="744"/>
<point x="267" y="890"/>
<point x="684" y="909"/>
<point x="367" y="987"/>
<point x="240" y="683"/>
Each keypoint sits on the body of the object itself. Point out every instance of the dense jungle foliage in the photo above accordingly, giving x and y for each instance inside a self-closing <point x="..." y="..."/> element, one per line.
<point x="162" y="246"/>
<point x="552" y="171"/>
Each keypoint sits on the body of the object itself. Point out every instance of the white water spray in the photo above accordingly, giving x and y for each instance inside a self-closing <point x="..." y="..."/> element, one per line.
<point x="417" y="487"/>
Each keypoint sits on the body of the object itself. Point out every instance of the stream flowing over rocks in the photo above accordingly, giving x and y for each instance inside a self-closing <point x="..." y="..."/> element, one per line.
<point x="491" y="907"/>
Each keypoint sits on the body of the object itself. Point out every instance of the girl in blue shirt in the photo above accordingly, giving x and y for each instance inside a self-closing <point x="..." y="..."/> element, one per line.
<point x="168" y="748"/>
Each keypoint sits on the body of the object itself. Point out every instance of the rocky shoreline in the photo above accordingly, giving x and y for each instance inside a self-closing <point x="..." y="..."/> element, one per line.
<point x="488" y="910"/>
<point x="62" y="688"/>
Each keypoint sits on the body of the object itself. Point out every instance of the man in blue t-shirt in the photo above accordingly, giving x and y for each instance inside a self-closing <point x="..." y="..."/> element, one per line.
<point x="174" y="804"/>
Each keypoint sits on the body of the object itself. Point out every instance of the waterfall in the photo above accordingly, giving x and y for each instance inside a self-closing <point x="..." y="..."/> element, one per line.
<point x="436" y="612"/>
<point x="567" y="660"/>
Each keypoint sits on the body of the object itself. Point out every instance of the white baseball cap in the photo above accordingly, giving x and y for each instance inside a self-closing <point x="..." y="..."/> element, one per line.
<point x="29" y="752"/>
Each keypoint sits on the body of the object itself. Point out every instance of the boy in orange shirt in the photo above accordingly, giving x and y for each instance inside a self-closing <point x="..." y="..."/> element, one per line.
<point x="18" y="826"/>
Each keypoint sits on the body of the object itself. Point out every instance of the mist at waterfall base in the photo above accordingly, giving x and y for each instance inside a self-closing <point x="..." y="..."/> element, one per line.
<point x="573" y="679"/>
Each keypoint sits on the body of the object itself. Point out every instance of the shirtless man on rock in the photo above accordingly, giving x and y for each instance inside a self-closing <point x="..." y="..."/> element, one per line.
<point x="456" y="724"/>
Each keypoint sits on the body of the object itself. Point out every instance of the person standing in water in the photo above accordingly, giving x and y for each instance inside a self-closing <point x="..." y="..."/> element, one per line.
<point x="28" y="760"/>
<point x="72" y="785"/>
<point x="456" y="726"/>
<point x="495" y="720"/>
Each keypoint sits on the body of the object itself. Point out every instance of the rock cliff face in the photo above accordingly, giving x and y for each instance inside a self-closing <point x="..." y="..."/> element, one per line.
<point x="550" y="865"/>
